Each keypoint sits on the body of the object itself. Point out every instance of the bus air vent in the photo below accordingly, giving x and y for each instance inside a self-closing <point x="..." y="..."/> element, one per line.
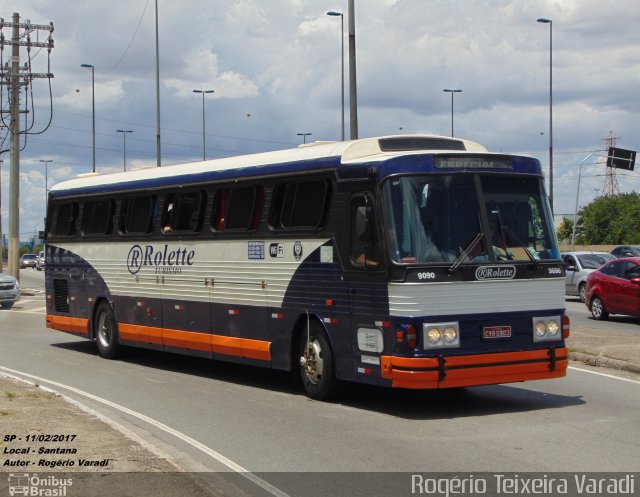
<point x="61" y="295"/>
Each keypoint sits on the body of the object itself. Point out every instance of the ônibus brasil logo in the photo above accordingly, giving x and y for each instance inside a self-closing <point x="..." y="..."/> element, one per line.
<point x="164" y="260"/>
<point x="495" y="272"/>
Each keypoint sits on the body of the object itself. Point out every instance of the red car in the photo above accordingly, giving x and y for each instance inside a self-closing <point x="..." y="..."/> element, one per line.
<point x="614" y="289"/>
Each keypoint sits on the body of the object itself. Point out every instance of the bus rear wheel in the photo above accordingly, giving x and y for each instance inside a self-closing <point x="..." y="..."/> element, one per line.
<point x="316" y="364"/>
<point x="106" y="331"/>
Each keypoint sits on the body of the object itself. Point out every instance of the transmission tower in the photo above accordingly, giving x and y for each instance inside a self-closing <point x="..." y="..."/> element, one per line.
<point x="610" y="180"/>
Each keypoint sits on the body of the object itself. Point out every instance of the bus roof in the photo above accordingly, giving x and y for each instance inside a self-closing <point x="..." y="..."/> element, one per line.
<point x="325" y="154"/>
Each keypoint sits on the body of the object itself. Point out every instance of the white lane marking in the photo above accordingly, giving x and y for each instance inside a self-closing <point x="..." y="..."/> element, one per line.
<point x="194" y="443"/>
<point x="605" y="375"/>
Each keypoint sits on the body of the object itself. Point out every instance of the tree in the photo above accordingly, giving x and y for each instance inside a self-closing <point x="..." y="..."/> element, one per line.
<point x="612" y="220"/>
<point x="565" y="230"/>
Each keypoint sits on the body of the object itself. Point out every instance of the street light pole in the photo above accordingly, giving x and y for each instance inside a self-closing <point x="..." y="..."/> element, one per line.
<point x="353" y="86"/>
<point x="304" y="137"/>
<point x="93" y="107"/>
<point x="575" y="211"/>
<point x="550" y="23"/>
<point x="447" y="90"/>
<point x="158" y="152"/>
<point x="124" y="153"/>
<point x="335" y="14"/>
<point x="204" y="150"/>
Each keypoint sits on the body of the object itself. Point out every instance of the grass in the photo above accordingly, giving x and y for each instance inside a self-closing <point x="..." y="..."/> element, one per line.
<point x="10" y="395"/>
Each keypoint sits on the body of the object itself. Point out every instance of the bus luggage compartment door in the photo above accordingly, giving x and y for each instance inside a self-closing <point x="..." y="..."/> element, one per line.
<point x="239" y="318"/>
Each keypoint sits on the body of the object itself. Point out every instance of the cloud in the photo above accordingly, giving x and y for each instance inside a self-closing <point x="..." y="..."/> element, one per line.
<point x="275" y="69"/>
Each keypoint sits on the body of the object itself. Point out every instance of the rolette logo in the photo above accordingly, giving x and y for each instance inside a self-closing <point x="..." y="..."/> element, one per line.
<point x="164" y="260"/>
<point x="495" y="273"/>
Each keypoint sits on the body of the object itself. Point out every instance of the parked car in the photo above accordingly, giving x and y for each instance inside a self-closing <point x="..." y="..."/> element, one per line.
<point x="9" y="291"/>
<point x="579" y="265"/>
<point x="614" y="289"/>
<point x="626" y="251"/>
<point x="40" y="261"/>
<point x="28" y="260"/>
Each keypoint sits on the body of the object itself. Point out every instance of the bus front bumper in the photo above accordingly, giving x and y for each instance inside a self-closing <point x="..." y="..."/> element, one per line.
<point x="477" y="369"/>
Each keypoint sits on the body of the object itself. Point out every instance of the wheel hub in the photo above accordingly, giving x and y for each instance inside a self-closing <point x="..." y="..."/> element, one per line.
<point x="311" y="362"/>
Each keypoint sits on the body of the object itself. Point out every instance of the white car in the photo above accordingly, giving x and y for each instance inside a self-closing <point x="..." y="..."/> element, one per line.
<point x="579" y="265"/>
<point x="9" y="291"/>
<point x="40" y="261"/>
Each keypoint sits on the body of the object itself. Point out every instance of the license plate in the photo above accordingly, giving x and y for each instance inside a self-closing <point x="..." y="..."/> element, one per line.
<point x="496" y="332"/>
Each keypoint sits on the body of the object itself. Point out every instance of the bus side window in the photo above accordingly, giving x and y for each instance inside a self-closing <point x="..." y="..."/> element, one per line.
<point x="167" y="212"/>
<point x="188" y="213"/>
<point x="138" y="214"/>
<point x="365" y="249"/>
<point x="237" y="208"/>
<point x="63" y="219"/>
<point x="97" y="217"/>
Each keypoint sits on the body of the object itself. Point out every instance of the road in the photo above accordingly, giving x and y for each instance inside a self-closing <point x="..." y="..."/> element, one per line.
<point x="581" y="316"/>
<point x="255" y="419"/>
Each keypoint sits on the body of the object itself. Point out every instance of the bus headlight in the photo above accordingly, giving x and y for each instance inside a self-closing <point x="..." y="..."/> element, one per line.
<point x="546" y="328"/>
<point x="450" y="334"/>
<point x="441" y="335"/>
<point x="434" y="335"/>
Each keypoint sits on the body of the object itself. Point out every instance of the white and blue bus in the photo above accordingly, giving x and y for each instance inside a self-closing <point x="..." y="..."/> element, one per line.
<point x="416" y="262"/>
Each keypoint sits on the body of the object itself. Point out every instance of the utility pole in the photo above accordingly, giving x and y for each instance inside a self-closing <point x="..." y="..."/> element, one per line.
<point x="14" y="77"/>
<point x="1" y="237"/>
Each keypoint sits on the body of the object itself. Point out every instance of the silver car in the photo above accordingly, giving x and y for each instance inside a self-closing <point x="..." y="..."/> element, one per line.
<point x="9" y="291"/>
<point x="40" y="261"/>
<point x="579" y="265"/>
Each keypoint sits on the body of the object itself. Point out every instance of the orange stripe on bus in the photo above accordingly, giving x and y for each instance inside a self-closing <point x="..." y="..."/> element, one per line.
<point x="529" y="355"/>
<point x="69" y="324"/>
<point x="240" y="347"/>
<point x="187" y="340"/>
<point x="137" y="333"/>
<point x="481" y="369"/>
<point x="243" y="347"/>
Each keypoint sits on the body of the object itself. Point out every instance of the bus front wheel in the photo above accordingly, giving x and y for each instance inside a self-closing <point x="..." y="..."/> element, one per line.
<point x="316" y="364"/>
<point x="106" y="331"/>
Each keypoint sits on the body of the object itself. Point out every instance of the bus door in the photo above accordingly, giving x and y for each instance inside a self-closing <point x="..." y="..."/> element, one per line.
<point x="239" y="316"/>
<point x="367" y="280"/>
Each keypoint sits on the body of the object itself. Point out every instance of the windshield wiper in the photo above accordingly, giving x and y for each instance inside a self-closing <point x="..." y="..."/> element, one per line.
<point x="506" y="229"/>
<point x="465" y="252"/>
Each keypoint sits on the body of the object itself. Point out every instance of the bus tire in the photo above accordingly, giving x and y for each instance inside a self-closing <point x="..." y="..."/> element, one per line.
<point x="106" y="331"/>
<point x="316" y="364"/>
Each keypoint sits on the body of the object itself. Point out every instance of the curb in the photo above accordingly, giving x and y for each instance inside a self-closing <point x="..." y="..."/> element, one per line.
<point x="603" y="361"/>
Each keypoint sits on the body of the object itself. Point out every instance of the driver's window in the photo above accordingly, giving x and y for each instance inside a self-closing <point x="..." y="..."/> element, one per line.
<point x="365" y="249"/>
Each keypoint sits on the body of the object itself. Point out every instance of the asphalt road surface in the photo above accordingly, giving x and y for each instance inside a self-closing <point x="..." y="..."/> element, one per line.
<point x="222" y="416"/>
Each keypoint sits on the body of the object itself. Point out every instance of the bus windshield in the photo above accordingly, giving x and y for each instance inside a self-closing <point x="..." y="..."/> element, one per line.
<point x="467" y="219"/>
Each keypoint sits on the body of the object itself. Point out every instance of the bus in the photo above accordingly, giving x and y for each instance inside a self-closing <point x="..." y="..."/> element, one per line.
<point x="415" y="261"/>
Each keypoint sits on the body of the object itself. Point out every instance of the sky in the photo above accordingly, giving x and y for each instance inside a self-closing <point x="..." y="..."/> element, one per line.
<point x="274" y="66"/>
